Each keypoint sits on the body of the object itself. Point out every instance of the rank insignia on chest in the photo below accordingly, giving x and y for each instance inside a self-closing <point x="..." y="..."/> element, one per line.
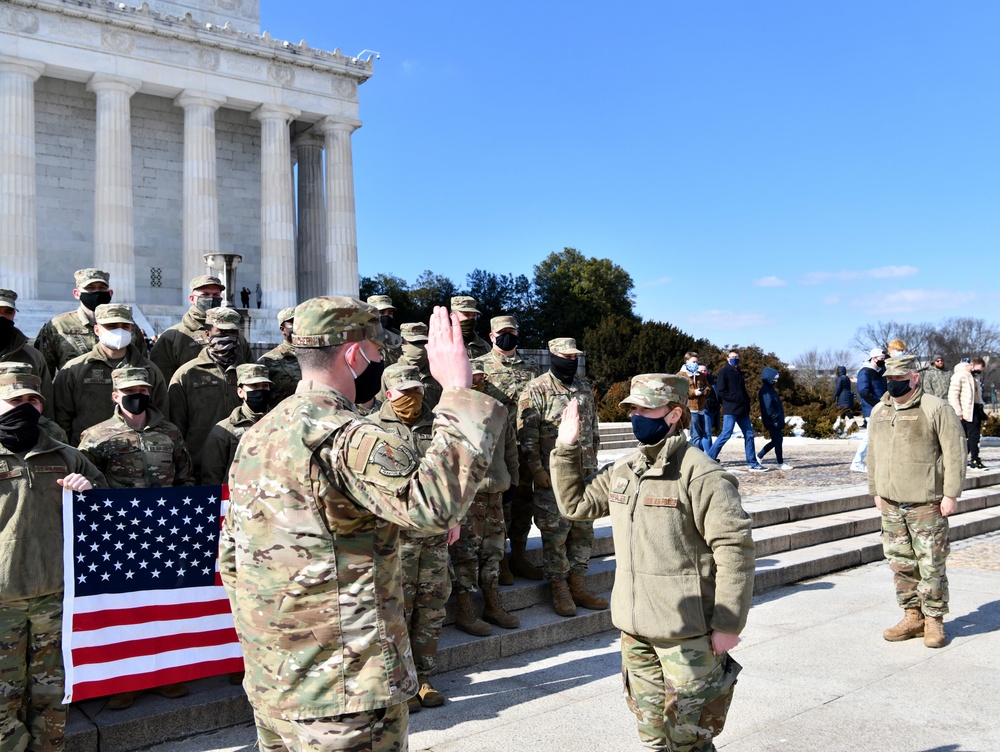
<point x="659" y="501"/>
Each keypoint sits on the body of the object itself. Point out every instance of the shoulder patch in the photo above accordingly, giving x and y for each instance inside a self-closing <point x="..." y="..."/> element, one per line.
<point x="392" y="461"/>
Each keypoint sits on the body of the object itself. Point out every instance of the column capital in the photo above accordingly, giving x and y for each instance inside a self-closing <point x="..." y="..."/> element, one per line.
<point x="275" y="112"/>
<point x="190" y="97"/>
<point x="30" y="68"/>
<point x="311" y="137"/>
<point x="333" y="124"/>
<point x="108" y="82"/>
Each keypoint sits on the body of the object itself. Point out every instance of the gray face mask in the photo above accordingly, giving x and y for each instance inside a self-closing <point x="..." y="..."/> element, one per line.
<point x="204" y="303"/>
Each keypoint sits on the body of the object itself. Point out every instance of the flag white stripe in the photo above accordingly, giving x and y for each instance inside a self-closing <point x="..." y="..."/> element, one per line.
<point x="158" y="662"/>
<point x="92" y="603"/>
<point x="147" y="630"/>
<point x="68" y="592"/>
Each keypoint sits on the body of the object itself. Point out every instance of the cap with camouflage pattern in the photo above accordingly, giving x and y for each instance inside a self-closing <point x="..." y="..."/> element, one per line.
<point x="123" y="378"/>
<point x="335" y="320"/>
<point x="7" y="299"/>
<point x="402" y="378"/>
<point x="113" y="313"/>
<point x="657" y="389"/>
<point x="13" y="366"/>
<point x="223" y="318"/>
<point x="85" y="277"/>
<point x="205" y="280"/>
<point x="901" y="365"/>
<point x="563" y="346"/>
<point x="477" y="369"/>
<point x="286" y="314"/>
<point x="17" y="384"/>
<point x="464" y="303"/>
<point x="382" y="302"/>
<point x="414" y="332"/>
<point x="499" y="323"/>
<point x="252" y="373"/>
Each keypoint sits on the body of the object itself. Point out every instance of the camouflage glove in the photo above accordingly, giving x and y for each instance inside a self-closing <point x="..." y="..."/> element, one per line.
<point x="541" y="478"/>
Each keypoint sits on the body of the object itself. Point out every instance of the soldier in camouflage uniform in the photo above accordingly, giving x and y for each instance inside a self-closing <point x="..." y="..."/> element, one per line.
<point x="83" y="385"/>
<point x="254" y="388"/>
<point x="282" y="365"/>
<point x="32" y="469"/>
<point x="48" y="426"/>
<point x="184" y="341"/>
<point x="468" y="314"/>
<point x="684" y="576"/>
<point x="307" y="543"/>
<point x="204" y="390"/>
<point x="507" y="373"/>
<point x="14" y="348"/>
<point x="935" y="378"/>
<point x="392" y="342"/>
<point x="414" y="353"/>
<point x="566" y="545"/>
<point x="916" y="472"/>
<point x="71" y="334"/>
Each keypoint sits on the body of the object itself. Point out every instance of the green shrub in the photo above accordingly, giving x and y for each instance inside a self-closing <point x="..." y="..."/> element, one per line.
<point x="608" y="409"/>
<point x="991" y="426"/>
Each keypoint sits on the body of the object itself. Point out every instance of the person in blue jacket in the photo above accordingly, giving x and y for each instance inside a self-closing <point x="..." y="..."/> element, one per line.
<point x="843" y="393"/>
<point x="772" y="415"/>
<point x="871" y="387"/>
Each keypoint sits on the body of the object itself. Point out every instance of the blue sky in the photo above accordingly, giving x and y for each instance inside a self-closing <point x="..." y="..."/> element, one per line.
<point x="772" y="172"/>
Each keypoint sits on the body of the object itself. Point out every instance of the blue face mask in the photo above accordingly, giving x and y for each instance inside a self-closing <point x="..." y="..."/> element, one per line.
<point x="649" y="430"/>
<point x="734" y="362"/>
<point x="691" y="368"/>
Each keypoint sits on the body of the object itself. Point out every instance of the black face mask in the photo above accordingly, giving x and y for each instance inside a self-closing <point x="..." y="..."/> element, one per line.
<point x="507" y="341"/>
<point x="258" y="400"/>
<point x="388" y="322"/>
<point x="91" y="300"/>
<point x="135" y="403"/>
<point x="563" y="369"/>
<point x="6" y="332"/>
<point x="369" y="382"/>
<point x="897" y="388"/>
<point x="19" y="427"/>
<point x="649" y="430"/>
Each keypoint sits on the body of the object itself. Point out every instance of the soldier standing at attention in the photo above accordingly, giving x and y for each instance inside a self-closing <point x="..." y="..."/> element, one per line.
<point x="310" y="540"/>
<point x="465" y="307"/>
<point x="48" y="426"/>
<point x="282" y="365"/>
<point x="916" y="472"/>
<point x="414" y="353"/>
<point x="254" y="388"/>
<point x="566" y="545"/>
<point x="14" y="348"/>
<point x="392" y="342"/>
<point x="684" y="577"/>
<point x="32" y="469"/>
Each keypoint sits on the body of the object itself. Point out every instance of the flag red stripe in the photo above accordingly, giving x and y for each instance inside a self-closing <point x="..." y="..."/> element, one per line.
<point x="120" y="616"/>
<point x="137" y="682"/>
<point x="152" y="646"/>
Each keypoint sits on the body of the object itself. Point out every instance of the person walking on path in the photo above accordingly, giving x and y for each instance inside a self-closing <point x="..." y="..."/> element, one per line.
<point x="772" y="415"/>
<point x="843" y="394"/>
<point x="698" y="392"/>
<point x="871" y="387"/>
<point x="965" y="395"/>
<point x="731" y="387"/>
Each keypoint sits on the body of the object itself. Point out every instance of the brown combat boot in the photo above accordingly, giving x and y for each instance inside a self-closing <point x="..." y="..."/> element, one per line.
<point x="413" y="704"/>
<point x="911" y="625"/>
<point x="562" y="601"/>
<point x="429" y="697"/>
<point x="934" y="636"/>
<point x="520" y="566"/>
<point x="506" y="576"/>
<point x="495" y="613"/>
<point x="466" y="618"/>
<point x="582" y="596"/>
<point x="122" y="700"/>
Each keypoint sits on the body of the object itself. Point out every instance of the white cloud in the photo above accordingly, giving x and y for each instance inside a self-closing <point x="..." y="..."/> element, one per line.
<point x="882" y="272"/>
<point x="831" y="299"/>
<point x="655" y="282"/>
<point x="918" y="300"/>
<point x="717" y="319"/>
<point x="769" y="282"/>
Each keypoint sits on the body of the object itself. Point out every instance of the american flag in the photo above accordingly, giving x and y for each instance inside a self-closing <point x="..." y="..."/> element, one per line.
<point x="143" y="604"/>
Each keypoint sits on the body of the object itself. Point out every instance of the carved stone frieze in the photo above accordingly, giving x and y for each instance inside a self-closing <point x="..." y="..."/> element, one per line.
<point x="21" y="21"/>
<point x="344" y="88"/>
<point x="283" y="75"/>
<point x="117" y="40"/>
<point x="207" y="59"/>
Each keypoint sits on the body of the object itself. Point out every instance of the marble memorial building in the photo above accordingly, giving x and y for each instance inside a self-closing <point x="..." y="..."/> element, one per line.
<point x="139" y="139"/>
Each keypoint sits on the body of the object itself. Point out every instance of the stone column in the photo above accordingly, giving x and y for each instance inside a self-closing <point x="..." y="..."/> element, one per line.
<point x="114" y="232"/>
<point x="311" y="245"/>
<point x="201" y="194"/>
<point x="18" y="223"/>
<point x="341" y="229"/>
<point x="277" y="209"/>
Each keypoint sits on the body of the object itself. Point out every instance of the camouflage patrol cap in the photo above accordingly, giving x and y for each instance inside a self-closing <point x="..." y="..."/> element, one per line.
<point x="205" y="280"/>
<point x="123" y="378"/>
<point x="401" y="378"/>
<point x="12" y="366"/>
<point x="7" y="299"/>
<point x="464" y="303"/>
<point x="16" y="384"/>
<point x="252" y="373"/>
<point x="382" y="302"/>
<point x="657" y="389"/>
<point x="286" y="314"/>
<point x="335" y="320"/>
<point x="477" y="368"/>
<point x="414" y="332"/>
<point x="563" y="346"/>
<point x="901" y="365"/>
<point x="223" y="318"/>
<point x="113" y="313"/>
<point x="499" y="323"/>
<point x="85" y="277"/>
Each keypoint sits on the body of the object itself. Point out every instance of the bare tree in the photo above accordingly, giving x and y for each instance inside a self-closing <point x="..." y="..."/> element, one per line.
<point x="958" y="338"/>
<point x="815" y="369"/>
<point x="916" y="337"/>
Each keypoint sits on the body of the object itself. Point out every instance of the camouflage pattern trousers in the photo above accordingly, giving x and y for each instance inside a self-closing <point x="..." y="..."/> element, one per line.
<point x="382" y="730"/>
<point x="32" y="716"/>
<point x="566" y="544"/>
<point x="476" y="554"/>
<point x="518" y="511"/>
<point x="678" y="690"/>
<point x="915" y="541"/>
<point x="426" y="588"/>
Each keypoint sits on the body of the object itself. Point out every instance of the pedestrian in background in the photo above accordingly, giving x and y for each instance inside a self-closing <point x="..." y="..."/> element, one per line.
<point x="772" y="415"/>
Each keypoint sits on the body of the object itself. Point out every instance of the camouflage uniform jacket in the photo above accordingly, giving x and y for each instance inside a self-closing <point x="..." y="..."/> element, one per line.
<point x="539" y="414"/>
<point x="936" y="381"/>
<point x="417" y="436"/>
<point x="220" y="446"/>
<point x="506" y="376"/>
<point x="503" y="471"/>
<point x="391" y="347"/>
<point x="476" y="347"/>
<point x="182" y="342"/>
<point x="149" y="457"/>
<point x="916" y="451"/>
<point x="31" y="534"/>
<point x="684" y="549"/>
<point x="308" y="551"/>
<point x="83" y="389"/>
<point x="20" y="351"/>
<point x="201" y="394"/>
<point x="432" y="389"/>
<point x="283" y="369"/>
<point x="53" y="430"/>
<point x="70" y="335"/>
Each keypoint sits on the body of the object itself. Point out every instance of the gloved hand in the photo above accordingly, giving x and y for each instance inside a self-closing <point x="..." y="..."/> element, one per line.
<point x="541" y="478"/>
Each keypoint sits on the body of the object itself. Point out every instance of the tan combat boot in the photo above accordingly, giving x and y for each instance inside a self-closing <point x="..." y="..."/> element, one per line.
<point x="582" y="596"/>
<point x="520" y="566"/>
<point x="495" y="613"/>
<point x="506" y="576"/>
<point x="413" y="704"/>
<point x="466" y="618"/>
<point x="562" y="601"/>
<point x="934" y="636"/>
<point x="429" y="697"/>
<point x="911" y="625"/>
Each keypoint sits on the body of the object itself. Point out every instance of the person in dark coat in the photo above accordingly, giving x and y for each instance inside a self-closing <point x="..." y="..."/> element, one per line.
<point x="772" y="415"/>
<point x="871" y="387"/>
<point x="732" y="390"/>
<point x="843" y="393"/>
